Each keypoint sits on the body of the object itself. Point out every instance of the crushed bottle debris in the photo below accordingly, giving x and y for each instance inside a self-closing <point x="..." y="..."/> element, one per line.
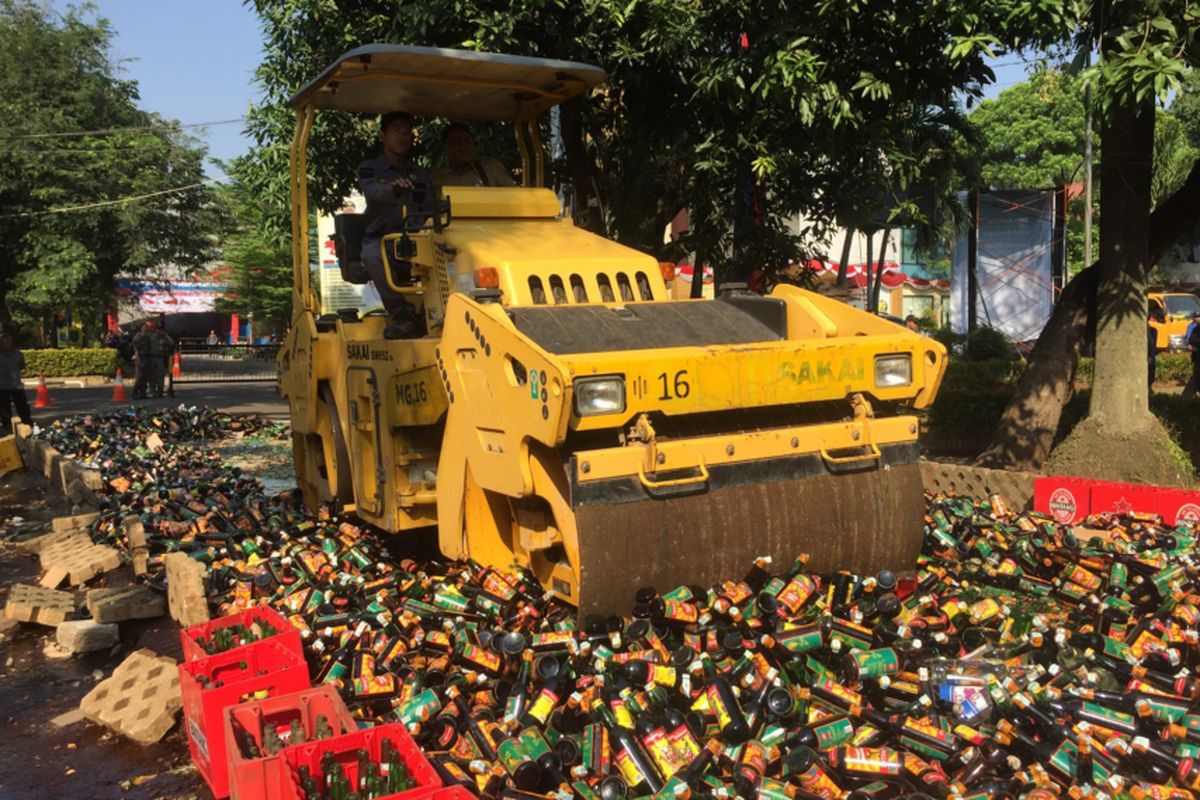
<point x="1015" y="660"/>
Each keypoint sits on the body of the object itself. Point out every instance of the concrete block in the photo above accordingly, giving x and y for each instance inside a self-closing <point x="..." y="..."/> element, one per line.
<point x="67" y="718"/>
<point x="53" y="460"/>
<point x="81" y="559"/>
<point x="55" y="577"/>
<point x="35" y="604"/>
<point x="71" y="523"/>
<point x="60" y="549"/>
<point x="135" y="543"/>
<point x="186" y="595"/>
<point x="86" y="636"/>
<point x="132" y="602"/>
<point x="80" y="495"/>
<point x="139" y="700"/>
<point x="35" y="544"/>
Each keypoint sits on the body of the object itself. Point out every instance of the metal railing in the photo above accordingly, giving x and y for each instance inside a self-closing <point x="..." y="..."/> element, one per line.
<point x="201" y="362"/>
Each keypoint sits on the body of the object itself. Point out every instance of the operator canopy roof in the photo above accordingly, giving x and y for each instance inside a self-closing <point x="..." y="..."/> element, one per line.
<point x="439" y="82"/>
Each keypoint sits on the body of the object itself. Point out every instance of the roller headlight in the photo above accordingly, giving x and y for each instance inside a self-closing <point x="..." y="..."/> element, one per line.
<point x="1177" y="342"/>
<point x="602" y="395"/>
<point x="893" y="371"/>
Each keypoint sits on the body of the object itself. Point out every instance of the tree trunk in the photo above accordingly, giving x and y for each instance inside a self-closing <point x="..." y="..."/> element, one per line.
<point x="844" y="262"/>
<point x="579" y="167"/>
<point x="870" y="258"/>
<point x="877" y="288"/>
<point x="1120" y="400"/>
<point x="1027" y="428"/>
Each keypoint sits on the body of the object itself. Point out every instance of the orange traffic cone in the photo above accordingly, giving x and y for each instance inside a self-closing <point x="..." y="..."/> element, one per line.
<point x="43" y="394"/>
<point x="177" y="367"/>
<point x="119" y="389"/>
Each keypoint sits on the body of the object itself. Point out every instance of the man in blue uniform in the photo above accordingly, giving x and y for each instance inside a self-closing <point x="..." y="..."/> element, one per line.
<point x="393" y="184"/>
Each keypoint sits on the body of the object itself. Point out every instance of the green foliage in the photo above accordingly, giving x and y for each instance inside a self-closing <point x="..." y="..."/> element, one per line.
<point x="1031" y="136"/>
<point x="981" y="375"/>
<point x="1174" y="155"/>
<point x="961" y="421"/>
<point x="70" y="362"/>
<point x="261" y="265"/>
<point x="58" y="75"/>
<point x="715" y="106"/>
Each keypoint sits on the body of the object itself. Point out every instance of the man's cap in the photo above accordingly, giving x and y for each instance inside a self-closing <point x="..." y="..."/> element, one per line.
<point x="149" y="323"/>
<point x="1196" y="314"/>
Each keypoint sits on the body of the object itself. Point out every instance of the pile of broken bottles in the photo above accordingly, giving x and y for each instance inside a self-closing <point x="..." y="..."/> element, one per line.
<point x="1017" y="660"/>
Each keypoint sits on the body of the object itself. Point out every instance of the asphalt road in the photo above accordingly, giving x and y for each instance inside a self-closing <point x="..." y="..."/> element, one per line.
<point x="233" y="397"/>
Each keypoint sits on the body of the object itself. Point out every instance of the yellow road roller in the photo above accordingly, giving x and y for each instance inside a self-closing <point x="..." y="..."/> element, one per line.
<point x="562" y="411"/>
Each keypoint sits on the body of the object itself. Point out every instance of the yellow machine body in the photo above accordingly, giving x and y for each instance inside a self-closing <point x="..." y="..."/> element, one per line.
<point x="565" y="413"/>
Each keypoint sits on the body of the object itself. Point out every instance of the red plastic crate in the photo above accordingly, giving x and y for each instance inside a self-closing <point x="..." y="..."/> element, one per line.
<point x="1124" y="498"/>
<point x="1066" y="500"/>
<point x="345" y="752"/>
<point x="258" y="778"/>
<point x="1179" y="506"/>
<point x="289" y="636"/>
<point x="262" y="667"/>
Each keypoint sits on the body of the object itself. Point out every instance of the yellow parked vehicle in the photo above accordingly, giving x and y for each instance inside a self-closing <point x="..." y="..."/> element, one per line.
<point x="563" y="412"/>
<point x="1177" y="309"/>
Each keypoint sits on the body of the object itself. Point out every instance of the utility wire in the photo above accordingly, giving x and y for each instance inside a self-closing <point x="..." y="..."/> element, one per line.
<point x="106" y="131"/>
<point x="103" y="203"/>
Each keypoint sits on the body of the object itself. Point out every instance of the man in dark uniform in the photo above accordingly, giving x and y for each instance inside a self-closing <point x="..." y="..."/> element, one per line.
<point x="390" y="182"/>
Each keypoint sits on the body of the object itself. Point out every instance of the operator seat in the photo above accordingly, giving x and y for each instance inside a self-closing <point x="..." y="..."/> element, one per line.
<point x="349" y="230"/>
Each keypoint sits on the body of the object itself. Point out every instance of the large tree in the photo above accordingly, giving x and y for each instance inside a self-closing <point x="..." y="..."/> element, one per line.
<point x="260" y="265"/>
<point x="744" y="114"/>
<point x="1145" y="51"/>
<point x="90" y="185"/>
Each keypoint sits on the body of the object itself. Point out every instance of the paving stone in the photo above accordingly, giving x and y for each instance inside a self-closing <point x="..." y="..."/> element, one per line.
<point x="35" y="604"/>
<point x="131" y="602"/>
<point x="139" y="700"/>
<point x="86" y="636"/>
<point x="185" y="589"/>
<point x="73" y="522"/>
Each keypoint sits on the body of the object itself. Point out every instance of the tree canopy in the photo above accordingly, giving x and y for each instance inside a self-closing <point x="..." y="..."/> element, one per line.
<point x="90" y="185"/>
<point x="744" y="114"/>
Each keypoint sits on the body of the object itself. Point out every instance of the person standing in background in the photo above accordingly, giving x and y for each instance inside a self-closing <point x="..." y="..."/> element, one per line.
<point x="12" y="390"/>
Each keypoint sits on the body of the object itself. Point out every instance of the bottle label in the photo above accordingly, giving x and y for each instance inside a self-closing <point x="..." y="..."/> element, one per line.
<point x="511" y="755"/>
<point x="837" y="694"/>
<point x="660" y="750"/>
<point x="719" y="709"/>
<point x="421" y="707"/>
<point x="662" y="675"/>
<point x="816" y="781"/>
<point x="484" y="659"/>
<point x="801" y="640"/>
<point x="533" y="743"/>
<point x="754" y="755"/>
<point x="543" y="705"/>
<point x="623" y="714"/>
<point x="834" y="733"/>
<point x="797" y="592"/>
<point x="684" y="743"/>
<point x="873" y="663"/>
<point x="629" y="769"/>
<point x="871" y="761"/>
<point x="680" y="612"/>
